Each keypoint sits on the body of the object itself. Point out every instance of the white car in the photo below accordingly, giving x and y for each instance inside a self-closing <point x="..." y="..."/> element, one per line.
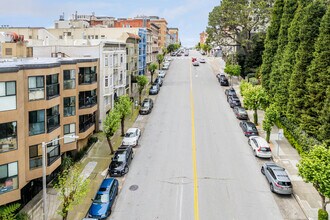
<point x="162" y="73"/>
<point x="202" y="60"/>
<point x="260" y="147"/>
<point x="195" y="63"/>
<point x="132" y="137"/>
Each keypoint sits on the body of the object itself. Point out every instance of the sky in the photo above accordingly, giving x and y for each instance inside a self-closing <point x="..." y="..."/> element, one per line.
<point x="190" y="16"/>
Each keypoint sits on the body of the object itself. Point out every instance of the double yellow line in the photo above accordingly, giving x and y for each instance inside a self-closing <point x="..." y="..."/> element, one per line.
<point x="193" y="141"/>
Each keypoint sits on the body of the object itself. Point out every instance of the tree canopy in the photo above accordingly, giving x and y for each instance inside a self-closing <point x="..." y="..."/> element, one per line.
<point x="124" y="107"/>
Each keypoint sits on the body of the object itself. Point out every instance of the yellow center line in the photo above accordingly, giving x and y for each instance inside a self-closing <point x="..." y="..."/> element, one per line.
<point x="193" y="141"/>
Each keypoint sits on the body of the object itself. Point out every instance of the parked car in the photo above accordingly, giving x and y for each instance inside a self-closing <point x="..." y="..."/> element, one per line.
<point x="249" y="128"/>
<point x="154" y="89"/>
<point x="173" y="54"/>
<point x="146" y="106"/>
<point x="104" y="199"/>
<point x="158" y="81"/>
<point x="165" y="66"/>
<point x="220" y="75"/>
<point x="277" y="177"/>
<point x="260" y="147"/>
<point x="234" y="101"/>
<point x="202" y="60"/>
<point x="240" y="113"/>
<point x="131" y="137"/>
<point x="223" y="81"/>
<point x="120" y="162"/>
<point x="230" y="92"/>
<point x="162" y="73"/>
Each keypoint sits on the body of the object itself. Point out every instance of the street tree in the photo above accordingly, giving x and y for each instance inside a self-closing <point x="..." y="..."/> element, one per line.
<point x="314" y="168"/>
<point x="142" y="81"/>
<point x="124" y="107"/>
<point x="271" y="43"/>
<point x="152" y="68"/>
<point x="271" y="116"/>
<point x="110" y="126"/>
<point x="7" y="212"/>
<point x="72" y="188"/>
<point x="232" y="70"/>
<point x="255" y="98"/>
<point x="244" y="86"/>
<point x="160" y="58"/>
<point x="172" y="47"/>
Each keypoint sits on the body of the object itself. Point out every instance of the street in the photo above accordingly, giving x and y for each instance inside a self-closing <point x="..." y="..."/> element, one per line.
<point x="160" y="184"/>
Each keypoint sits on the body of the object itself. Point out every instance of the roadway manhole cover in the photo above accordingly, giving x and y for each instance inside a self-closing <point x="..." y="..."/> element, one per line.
<point x="133" y="187"/>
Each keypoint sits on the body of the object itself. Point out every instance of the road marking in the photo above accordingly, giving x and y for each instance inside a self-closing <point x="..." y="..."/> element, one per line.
<point x="181" y="198"/>
<point x="193" y="141"/>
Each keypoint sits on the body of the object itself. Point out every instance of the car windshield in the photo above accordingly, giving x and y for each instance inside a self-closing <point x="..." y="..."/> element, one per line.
<point x="265" y="149"/>
<point x="241" y="111"/>
<point x="130" y="134"/>
<point x="119" y="157"/>
<point x="251" y="128"/>
<point x="154" y="87"/>
<point x="101" y="198"/>
<point x="145" y="104"/>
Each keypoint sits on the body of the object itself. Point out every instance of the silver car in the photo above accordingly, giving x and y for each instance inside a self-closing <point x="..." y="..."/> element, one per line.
<point x="277" y="177"/>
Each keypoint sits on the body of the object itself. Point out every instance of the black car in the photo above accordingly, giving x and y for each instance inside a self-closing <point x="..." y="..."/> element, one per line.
<point x="154" y="89"/>
<point x="146" y="106"/>
<point x="234" y="101"/>
<point x="249" y="128"/>
<point x="223" y="81"/>
<point x="230" y="92"/>
<point x="158" y="81"/>
<point x="119" y="165"/>
<point x="240" y="113"/>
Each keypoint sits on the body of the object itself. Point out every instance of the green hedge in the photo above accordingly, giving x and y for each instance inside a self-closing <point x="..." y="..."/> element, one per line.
<point x="82" y="152"/>
<point x="323" y="215"/>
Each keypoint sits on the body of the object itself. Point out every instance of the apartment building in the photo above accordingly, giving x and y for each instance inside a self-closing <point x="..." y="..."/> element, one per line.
<point x="202" y="37"/>
<point x="174" y="32"/>
<point x="162" y="24"/>
<point x="41" y="101"/>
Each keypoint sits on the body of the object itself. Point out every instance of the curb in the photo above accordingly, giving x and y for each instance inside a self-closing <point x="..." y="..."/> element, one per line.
<point x="296" y="197"/>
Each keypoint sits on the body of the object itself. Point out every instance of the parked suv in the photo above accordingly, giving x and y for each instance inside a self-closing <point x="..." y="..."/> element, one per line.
<point x="260" y="147"/>
<point x="278" y="179"/>
<point x="119" y="165"/>
<point x="249" y="128"/>
<point x="104" y="199"/>
<point x="146" y="106"/>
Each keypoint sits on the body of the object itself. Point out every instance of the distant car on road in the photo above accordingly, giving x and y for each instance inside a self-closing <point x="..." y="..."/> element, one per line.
<point x="277" y="177"/>
<point x="154" y="89"/>
<point x="260" y="147"/>
<point x="240" y="113"/>
<point x="202" y="60"/>
<point x="249" y="129"/>
<point x="131" y="137"/>
<point x="146" y="106"/>
<point x="119" y="165"/>
<point x="234" y="101"/>
<point x="104" y="199"/>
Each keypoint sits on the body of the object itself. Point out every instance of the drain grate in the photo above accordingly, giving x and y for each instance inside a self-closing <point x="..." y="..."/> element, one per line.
<point x="133" y="187"/>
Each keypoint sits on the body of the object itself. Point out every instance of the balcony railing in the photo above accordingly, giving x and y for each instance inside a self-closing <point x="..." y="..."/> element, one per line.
<point x="53" y="122"/>
<point x="88" y="102"/>
<point x="69" y="84"/>
<point x="53" y="155"/>
<point x="87" y="78"/>
<point x="69" y="111"/>
<point x="36" y="93"/>
<point x="35" y="162"/>
<point x="87" y="124"/>
<point x="53" y="90"/>
<point x="36" y="128"/>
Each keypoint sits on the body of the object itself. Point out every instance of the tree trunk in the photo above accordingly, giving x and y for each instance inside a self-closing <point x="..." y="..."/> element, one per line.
<point x="324" y="205"/>
<point x="140" y="97"/>
<point x="65" y="216"/>
<point x="159" y="65"/>
<point x="122" y="126"/>
<point x="255" y="117"/>
<point x="110" y="145"/>
<point x="152" y="74"/>
<point x="268" y="136"/>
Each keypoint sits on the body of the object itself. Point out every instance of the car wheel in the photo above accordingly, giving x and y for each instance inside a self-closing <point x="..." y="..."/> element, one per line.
<point x="271" y="187"/>
<point x="255" y="153"/>
<point x="249" y="142"/>
<point x="126" y="169"/>
<point x="262" y="170"/>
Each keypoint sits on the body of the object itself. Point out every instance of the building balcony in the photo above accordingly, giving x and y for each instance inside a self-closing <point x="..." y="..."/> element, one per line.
<point x="53" y="154"/>
<point x="52" y="91"/>
<point x="53" y="122"/>
<point x="87" y="102"/>
<point x="87" y="78"/>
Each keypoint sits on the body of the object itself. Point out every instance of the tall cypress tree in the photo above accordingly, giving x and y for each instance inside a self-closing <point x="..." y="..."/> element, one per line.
<point x="318" y="80"/>
<point x="271" y="43"/>
<point x="324" y="134"/>
<point x="278" y="83"/>
<point x="309" y="30"/>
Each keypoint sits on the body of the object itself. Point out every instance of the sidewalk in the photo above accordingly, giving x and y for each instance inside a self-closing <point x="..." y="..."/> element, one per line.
<point x="286" y="156"/>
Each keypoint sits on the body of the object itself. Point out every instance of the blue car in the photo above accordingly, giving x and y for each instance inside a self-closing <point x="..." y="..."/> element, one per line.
<point x="104" y="199"/>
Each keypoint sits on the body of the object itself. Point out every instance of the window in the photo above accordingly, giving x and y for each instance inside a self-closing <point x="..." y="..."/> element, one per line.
<point x="53" y="151"/>
<point x="8" y="177"/>
<point x="36" y="88"/>
<point x="69" y="106"/>
<point x="87" y="75"/>
<point x="106" y="81"/>
<point x="69" y="79"/>
<point x="86" y="121"/>
<point x="87" y="99"/>
<point x="69" y="129"/>
<point x="121" y="58"/>
<point x="35" y="155"/>
<point x="53" y="118"/>
<point x="8" y="136"/>
<point x="111" y="60"/>
<point x="52" y="86"/>
<point x="106" y="60"/>
<point x="9" y="51"/>
<point x="7" y="96"/>
<point x="36" y="122"/>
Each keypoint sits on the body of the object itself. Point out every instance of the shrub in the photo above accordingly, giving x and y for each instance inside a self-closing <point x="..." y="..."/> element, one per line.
<point x="254" y="81"/>
<point x="91" y="140"/>
<point x="323" y="215"/>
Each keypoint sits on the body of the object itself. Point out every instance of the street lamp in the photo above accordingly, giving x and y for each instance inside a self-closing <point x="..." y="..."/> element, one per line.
<point x="44" y="189"/>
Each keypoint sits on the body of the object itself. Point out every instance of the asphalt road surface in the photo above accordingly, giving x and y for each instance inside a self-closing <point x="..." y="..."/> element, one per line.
<point x="193" y="161"/>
